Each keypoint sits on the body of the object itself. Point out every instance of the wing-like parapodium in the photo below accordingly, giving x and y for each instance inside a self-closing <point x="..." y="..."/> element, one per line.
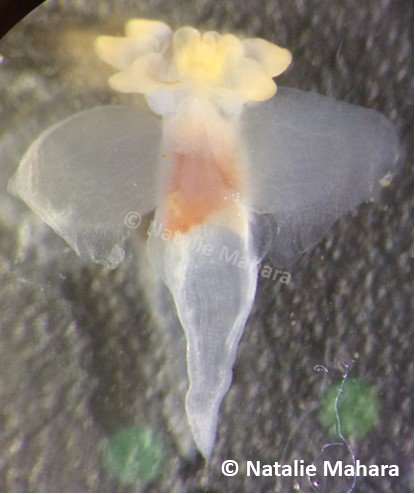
<point x="85" y="174"/>
<point x="312" y="159"/>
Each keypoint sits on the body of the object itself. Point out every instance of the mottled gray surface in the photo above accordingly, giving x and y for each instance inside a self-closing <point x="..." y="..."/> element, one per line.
<point x="80" y="354"/>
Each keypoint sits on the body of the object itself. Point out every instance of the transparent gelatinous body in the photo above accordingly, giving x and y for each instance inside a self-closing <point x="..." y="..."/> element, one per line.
<point x="225" y="153"/>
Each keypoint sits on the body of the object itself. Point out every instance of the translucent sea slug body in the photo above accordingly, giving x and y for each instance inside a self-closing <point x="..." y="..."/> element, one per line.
<point x="229" y="152"/>
<point x="199" y="83"/>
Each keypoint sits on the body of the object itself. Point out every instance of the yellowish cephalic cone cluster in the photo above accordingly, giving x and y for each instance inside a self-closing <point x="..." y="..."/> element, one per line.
<point x="151" y="58"/>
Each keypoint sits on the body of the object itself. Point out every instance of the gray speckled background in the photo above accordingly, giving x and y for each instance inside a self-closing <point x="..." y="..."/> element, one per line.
<point x="80" y="353"/>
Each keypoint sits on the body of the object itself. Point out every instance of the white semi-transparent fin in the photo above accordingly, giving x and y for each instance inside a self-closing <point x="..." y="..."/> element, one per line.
<point x="212" y="275"/>
<point x="312" y="159"/>
<point x="85" y="174"/>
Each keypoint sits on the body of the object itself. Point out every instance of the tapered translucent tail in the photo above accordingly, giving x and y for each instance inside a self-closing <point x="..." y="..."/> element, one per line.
<point x="212" y="275"/>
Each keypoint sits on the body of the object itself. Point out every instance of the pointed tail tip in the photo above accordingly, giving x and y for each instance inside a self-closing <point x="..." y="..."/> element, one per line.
<point x="203" y="425"/>
<point x="206" y="451"/>
<point x="205" y="446"/>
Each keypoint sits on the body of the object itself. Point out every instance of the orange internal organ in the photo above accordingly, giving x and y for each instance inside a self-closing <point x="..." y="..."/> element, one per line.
<point x="201" y="185"/>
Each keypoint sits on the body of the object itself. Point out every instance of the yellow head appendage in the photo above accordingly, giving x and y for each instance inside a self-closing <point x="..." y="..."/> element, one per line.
<point x="152" y="58"/>
<point x="203" y="58"/>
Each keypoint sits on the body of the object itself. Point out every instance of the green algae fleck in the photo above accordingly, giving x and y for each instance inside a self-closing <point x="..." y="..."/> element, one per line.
<point x="358" y="408"/>
<point x="134" y="453"/>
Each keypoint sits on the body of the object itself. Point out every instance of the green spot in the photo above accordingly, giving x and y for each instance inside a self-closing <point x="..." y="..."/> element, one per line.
<point x="134" y="453"/>
<point x="358" y="409"/>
